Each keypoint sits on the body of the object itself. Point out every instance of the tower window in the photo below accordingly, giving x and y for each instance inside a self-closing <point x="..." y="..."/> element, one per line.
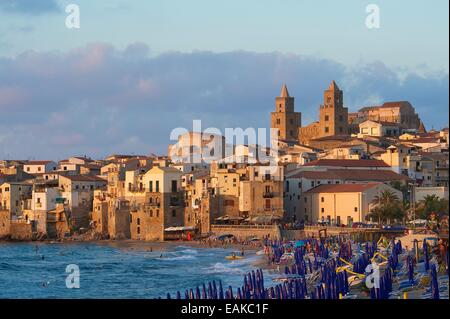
<point x="340" y="130"/>
<point x="327" y="129"/>
<point x="278" y="121"/>
<point x="341" y="118"/>
<point x="327" y="118"/>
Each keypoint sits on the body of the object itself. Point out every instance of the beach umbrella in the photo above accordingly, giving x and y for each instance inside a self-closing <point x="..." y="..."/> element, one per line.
<point x="204" y="296"/>
<point x="434" y="283"/>
<point x="197" y="293"/>
<point x="426" y="255"/>
<point x="220" y="290"/>
<point x="239" y="295"/>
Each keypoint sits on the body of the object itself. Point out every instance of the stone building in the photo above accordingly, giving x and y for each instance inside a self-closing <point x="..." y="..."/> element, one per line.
<point x="333" y="117"/>
<point x="285" y="119"/>
<point x="400" y="112"/>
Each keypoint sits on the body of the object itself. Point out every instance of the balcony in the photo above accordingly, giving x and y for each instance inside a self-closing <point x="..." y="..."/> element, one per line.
<point x="268" y="195"/>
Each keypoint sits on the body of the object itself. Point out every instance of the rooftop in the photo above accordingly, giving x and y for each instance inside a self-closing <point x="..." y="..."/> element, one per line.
<point x="347" y="163"/>
<point x="342" y="188"/>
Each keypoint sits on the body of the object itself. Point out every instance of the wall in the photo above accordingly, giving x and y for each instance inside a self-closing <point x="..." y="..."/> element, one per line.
<point x="21" y="230"/>
<point x="5" y="223"/>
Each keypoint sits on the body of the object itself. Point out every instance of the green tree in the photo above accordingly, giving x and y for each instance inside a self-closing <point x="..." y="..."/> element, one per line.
<point x="432" y="204"/>
<point x="387" y="207"/>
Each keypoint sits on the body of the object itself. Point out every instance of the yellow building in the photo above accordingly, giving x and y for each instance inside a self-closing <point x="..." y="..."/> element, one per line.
<point x="342" y="203"/>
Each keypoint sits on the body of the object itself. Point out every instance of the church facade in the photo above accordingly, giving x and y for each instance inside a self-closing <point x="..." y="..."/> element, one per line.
<point x="335" y="122"/>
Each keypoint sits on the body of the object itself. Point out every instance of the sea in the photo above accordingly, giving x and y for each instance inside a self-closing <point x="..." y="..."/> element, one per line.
<point x="125" y="270"/>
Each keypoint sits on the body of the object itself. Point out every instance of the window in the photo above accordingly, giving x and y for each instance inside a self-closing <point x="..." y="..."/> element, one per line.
<point x="139" y="230"/>
<point x="356" y="209"/>
<point x="327" y="129"/>
<point x="150" y="187"/>
<point x="287" y="186"/>
<point x="340" y="129"/>
<point x="322" y="199"/>
<point x="39" y="169"/>
<point x="174" y="213"/>
<point x="174" y="186"/>
<point x="138" y="221"/>
<point x="267" y="204"/>
<point x="341" y="118"/>
<point x="278" y="121"/>
<point x="157" y="186"/>
<point x="322" y="210"/>
<point x="306" y="200"/>
<point x="151" y="213"/>
<point x="327" y="118"/>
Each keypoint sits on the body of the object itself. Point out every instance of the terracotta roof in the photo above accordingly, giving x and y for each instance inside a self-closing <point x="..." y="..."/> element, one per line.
<point x="347" y="163"/>
<point x="353" y="175"/>
<point x="342" y="188"/>
<point x="37" y="162"/>
<point x="424" y="140"/>
<point x="332" y="138"/>
<point x="386" y="105"/>
<point x="84" y="178"/>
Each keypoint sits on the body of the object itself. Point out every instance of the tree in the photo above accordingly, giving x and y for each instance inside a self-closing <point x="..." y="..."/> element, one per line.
<point x="432" y="204"/>
<point x="387" y="207"/>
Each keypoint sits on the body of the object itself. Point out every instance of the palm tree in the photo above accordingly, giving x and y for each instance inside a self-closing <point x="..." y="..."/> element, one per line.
<point x="432" y="204"/>
<point x="388" y="206"/>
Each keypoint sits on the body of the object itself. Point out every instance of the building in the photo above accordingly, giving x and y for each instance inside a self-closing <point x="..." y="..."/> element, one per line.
<point x="298" y="182"/>
<point x="15" y="197"/>
<point x="161" y="207"/>
<point x="36" y="167"/>
<point x="285" y="119"/>
<point x="400" y="112"/>
<point x="333" y="117"/>
<point x="342" y="203"/>
<point x="379" y="129"/>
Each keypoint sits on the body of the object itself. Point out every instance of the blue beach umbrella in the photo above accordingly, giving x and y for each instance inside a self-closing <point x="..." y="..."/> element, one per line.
<point x="434" y="283"/>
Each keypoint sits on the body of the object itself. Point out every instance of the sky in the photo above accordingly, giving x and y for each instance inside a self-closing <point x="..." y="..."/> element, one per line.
<point x="135" y="70"/>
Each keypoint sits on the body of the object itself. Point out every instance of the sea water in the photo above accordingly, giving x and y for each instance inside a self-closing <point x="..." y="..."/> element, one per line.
<point x="115" y="270"/>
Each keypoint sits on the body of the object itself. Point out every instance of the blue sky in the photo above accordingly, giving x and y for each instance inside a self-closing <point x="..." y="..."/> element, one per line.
<point x="131" y="62"/>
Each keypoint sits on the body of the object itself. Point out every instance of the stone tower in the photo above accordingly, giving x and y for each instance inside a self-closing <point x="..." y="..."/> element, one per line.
<point x="333" y="115"/>
<point x="284" y="118"/>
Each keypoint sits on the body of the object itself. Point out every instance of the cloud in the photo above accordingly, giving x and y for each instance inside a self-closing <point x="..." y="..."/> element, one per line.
<point x="98" y="100"/>
<point x="29" y="7"/>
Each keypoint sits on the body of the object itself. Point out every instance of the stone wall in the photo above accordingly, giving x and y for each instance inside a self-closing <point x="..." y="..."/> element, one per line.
<point x="21" y="230"/>
<point x="5" y="223"/>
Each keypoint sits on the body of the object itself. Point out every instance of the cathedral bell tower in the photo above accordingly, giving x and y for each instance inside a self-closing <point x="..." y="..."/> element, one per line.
<point x="333" y="114"/>
<point x="285" y="119"/>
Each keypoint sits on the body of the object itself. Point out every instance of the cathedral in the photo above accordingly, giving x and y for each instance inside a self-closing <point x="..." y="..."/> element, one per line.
<point x="334" y="119"/>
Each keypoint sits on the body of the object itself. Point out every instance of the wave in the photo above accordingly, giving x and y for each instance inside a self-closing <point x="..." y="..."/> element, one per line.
<point x="220" y="268"/>
<point x="186" y="257"/>
<point x="188" y="251"/>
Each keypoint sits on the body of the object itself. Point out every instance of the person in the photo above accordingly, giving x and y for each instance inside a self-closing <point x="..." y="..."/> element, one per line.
<point x="242" y="251"/>
<point x="161" y="256"/>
